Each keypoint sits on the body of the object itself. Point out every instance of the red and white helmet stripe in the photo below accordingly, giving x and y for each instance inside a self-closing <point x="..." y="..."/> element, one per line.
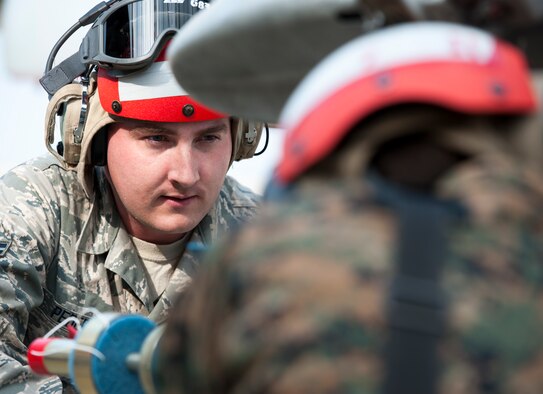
<point x="152" y="94"/>
<point x="443" y="64"/>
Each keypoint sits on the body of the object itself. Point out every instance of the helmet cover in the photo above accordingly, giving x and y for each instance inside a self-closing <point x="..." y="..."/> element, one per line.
<point x="452" y="66"/>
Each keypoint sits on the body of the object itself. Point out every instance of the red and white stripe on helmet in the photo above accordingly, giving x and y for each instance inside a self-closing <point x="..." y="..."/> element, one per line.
<point x="448" y="65"/>
<point x="152" y="94"/>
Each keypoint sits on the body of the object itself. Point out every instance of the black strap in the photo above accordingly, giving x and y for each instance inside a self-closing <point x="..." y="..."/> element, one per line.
<point x="416" y="302"/>
<point x="63" y="74"/>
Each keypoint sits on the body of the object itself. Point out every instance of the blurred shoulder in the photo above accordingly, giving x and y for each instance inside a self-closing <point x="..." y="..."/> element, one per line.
<point x="238" y="194"/>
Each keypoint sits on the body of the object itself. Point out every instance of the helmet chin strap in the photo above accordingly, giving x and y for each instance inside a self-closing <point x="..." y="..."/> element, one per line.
<point x="78" y="133"/>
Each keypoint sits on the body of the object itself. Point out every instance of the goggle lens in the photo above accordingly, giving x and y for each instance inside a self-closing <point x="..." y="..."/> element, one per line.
<point x="132" y="30"/>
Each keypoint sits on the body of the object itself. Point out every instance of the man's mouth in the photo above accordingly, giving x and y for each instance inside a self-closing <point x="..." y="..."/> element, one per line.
<point x="179" y="200"/>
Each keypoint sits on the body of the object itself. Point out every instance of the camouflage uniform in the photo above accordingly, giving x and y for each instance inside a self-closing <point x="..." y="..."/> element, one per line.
<point x="61" y="253"/>
<point x="295" y="302"/>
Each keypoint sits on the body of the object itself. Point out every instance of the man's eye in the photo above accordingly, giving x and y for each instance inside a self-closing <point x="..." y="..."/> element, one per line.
<point x="156" y="138"/>
<point x="210" y="138"/>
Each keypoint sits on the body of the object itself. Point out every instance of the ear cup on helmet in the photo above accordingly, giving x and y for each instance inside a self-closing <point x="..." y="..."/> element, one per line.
<point x="64" y="109"/>
<point x="248" y="136"/>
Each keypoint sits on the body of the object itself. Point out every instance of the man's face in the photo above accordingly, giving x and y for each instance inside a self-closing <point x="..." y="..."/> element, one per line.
<point x="167" y="176"/>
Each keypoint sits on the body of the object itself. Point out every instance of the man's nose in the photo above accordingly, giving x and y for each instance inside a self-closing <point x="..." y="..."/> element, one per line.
<point x="183" y="167"/>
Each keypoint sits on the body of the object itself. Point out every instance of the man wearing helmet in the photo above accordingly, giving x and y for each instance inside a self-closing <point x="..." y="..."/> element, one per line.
<point x="118" y="219"/>
<point x="403" y="251"/>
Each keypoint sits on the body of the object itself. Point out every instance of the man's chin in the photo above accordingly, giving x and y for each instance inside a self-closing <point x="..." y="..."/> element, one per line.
<point x="175" y="228"/>
<point x="170" y="226"/>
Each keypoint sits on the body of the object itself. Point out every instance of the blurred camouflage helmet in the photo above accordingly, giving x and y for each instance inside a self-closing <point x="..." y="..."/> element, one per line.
<point x="446" y="65"/>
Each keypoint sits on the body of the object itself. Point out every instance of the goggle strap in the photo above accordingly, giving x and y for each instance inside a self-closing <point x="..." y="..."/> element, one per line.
<point x="95" y="12"/>
<point x="63" y="74"/>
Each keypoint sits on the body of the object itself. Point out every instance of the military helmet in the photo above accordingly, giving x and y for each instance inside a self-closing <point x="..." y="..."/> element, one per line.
<point x="121" y="72"/>
<point x="447" y="65"/>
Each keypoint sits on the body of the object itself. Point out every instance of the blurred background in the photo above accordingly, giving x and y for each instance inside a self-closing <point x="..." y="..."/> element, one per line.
<point x="28" y="31"/>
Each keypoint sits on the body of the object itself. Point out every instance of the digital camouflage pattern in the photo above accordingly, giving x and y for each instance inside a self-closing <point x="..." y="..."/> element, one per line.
<point x="295" y="302"/>
<point x="61" y="253"/>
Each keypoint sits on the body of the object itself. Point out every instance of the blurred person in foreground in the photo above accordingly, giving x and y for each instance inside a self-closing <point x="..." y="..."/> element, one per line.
<point x="400" y="251"/>
<point x="106" y="223"/>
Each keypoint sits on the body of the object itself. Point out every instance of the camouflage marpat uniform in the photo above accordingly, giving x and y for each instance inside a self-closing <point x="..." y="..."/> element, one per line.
<point x="61" y="253"/>
<point x="295" y="302"/>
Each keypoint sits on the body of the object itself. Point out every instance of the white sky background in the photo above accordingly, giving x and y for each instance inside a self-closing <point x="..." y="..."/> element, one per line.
<point x="24" y="48"/>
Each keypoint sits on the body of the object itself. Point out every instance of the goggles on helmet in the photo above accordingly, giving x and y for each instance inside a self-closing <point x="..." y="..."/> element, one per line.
<point x="125" y="34"/>
<point x="131" y="34"/>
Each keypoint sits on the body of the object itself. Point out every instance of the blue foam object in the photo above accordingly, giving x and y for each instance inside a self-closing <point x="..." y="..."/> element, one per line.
<point x="124" y="336"/>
